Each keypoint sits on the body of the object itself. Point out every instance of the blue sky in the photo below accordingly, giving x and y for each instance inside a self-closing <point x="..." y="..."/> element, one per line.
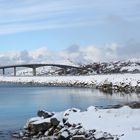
<point x="58" y="24"/>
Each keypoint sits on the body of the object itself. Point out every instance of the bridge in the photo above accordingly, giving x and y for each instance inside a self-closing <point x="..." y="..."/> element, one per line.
<point x="35" y="66"/>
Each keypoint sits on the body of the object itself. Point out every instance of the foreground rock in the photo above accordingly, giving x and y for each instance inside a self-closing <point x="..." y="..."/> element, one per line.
<point x="56" y="126"/>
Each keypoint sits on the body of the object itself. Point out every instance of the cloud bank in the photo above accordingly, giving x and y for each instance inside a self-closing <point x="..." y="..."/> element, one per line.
<point x="75" y="54"/>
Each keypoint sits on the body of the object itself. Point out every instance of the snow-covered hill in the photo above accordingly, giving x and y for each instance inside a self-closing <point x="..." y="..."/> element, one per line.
<point x="127" y="66"/>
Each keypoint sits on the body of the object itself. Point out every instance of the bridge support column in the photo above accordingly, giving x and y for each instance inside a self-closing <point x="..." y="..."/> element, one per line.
<point x="14" y="71"/>
<point x="76" y="71"/>
<point x="34" y="71"/>
<point x="3" y="71"/>
<point x="65" y="71"/>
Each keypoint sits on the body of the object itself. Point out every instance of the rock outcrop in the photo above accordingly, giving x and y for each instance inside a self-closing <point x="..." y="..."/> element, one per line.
<point x="48" y="126"/>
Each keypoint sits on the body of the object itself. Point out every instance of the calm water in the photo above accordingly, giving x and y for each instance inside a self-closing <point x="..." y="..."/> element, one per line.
<point x="18" y="103"/>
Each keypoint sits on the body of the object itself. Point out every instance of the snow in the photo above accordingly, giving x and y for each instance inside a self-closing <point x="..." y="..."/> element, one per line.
<point x="130" y="68"/>
<point x="123" y="122"/>
<point x="42" y="121"/>
<point x="115" y="121"/>
<point x="116" y="79"/>
<point x="32" y="120"/>
<point x="65" y="134"/>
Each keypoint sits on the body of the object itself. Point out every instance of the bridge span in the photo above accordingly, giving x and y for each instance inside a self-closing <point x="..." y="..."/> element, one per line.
<point x="35" y="66"/>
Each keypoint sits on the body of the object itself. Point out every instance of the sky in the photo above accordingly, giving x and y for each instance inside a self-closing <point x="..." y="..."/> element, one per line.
<point x="95" y="30"/>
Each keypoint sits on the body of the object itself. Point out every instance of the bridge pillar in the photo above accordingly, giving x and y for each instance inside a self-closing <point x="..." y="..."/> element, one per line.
<point x="14" y="71"/>
<point x="76" y="71"/>
<point x="65" y="71"/>
<point x="3" y="71"/>
<point x="34" y="71"/>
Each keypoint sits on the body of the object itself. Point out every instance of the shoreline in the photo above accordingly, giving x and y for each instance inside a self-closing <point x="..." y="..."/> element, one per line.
<point x="127" y="83"/>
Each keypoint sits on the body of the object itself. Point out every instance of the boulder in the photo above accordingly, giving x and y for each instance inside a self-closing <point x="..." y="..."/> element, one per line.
<point x="54" y="122"/>
<point x="78" y="137"/>
<point x="40" y="127"/>
<point x="134" y="105"/>
<point x="44" y="114"/>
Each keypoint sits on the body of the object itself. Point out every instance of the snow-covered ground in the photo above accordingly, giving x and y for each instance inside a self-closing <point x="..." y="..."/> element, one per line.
<point x="115" y="121"/>
<point x="122" y="123"/>
<point x="116" y="79"/>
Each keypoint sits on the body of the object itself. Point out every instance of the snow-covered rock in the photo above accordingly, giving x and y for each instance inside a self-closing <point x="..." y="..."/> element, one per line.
<point x="108" y="124"/>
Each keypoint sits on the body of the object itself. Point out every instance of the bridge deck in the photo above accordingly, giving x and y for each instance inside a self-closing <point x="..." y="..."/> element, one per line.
<point x="34" y="66"/>
<point x="37" y="65"/>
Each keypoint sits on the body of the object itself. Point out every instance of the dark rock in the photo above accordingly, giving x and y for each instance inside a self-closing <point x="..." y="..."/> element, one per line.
<point x="134" y="105"/>
<point x="54" y="122"/>
<point x="78" y="137"/>
<point x="44" y="114"/>
<point x="67" y="124"/>
<point x="64" y="120"/>
<point x="41" y="127"/>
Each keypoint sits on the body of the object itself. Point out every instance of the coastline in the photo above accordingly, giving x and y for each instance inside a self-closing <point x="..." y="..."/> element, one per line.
<point x="127" y="83"/>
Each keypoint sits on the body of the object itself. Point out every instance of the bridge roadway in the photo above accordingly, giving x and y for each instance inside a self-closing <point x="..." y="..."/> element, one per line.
<point x="35" y="66"/>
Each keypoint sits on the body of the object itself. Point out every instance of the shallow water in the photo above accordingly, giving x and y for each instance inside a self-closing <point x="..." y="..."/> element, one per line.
<point x="19" y="103"/>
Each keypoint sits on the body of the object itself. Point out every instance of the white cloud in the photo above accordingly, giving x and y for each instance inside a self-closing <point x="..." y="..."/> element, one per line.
<point x="82" y="54"/>
<point x="40" y="53"/>
<point x="74" y="53"/>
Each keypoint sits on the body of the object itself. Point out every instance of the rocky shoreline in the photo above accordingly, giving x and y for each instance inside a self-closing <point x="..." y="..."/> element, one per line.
<point x="48" y="126"/>
<point x="126" y="83"/>
<point x="107" y="87"/>
<point x="59" y="126"/>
